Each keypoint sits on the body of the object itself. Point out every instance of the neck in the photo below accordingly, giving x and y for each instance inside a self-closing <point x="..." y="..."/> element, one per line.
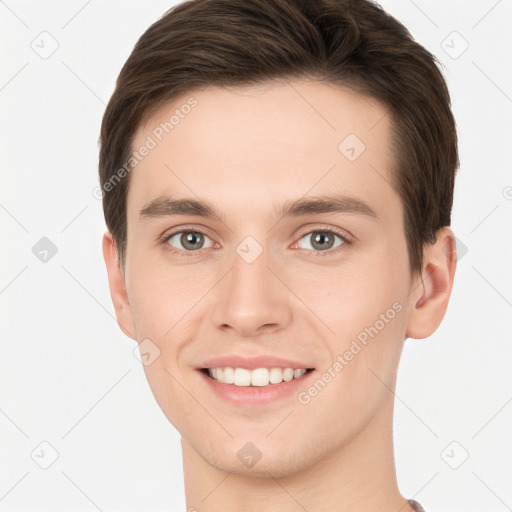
<point x="356" y="477"/>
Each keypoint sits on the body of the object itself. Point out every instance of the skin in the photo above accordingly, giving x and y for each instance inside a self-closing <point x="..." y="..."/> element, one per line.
<point x="246" y="150"/>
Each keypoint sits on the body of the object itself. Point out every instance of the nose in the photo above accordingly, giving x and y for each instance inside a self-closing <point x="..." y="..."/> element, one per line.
<point x="251" y="300"/>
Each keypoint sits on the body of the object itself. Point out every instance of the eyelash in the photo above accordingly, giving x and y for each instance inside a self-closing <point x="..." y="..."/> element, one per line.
<point x="180" y="252"/>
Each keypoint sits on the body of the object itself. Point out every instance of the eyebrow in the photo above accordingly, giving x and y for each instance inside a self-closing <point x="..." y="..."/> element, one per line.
<point x="166" y="206"/>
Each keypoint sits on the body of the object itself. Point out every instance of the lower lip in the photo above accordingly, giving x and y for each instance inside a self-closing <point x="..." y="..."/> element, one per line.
<point x="255" y="395"/>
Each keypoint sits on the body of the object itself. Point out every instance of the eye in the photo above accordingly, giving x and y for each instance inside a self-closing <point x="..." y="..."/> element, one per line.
<point x="188" y="240"/>
<point x="322" y="240"/>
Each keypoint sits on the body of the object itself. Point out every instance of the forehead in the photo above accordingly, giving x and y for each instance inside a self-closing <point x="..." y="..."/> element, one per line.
<point x="264" y="143"/>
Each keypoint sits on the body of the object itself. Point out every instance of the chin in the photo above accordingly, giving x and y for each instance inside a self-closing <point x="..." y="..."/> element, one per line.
<point x="257" y="460"/>
<point x="262" y="469"/>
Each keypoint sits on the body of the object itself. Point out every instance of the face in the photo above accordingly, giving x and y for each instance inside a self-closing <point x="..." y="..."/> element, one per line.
<point x="300" y="261"/>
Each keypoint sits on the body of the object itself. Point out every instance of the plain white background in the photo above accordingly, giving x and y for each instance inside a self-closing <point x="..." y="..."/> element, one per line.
<point x="68" y="376"/>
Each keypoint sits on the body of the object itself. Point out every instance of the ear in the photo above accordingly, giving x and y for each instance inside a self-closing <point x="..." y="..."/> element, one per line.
<point x="117" y="287"/>
<point x="431" y="290"/>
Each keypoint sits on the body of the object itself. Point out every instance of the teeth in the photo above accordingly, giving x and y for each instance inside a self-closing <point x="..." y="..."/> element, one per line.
<point x="229" y="376"/>
<point x="242" y="377"/>
<point x="258" y="377"/>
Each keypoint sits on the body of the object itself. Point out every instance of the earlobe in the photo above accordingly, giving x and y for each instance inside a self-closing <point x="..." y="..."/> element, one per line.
<point x="117" y="287"/>
<point x="430" y="291"/>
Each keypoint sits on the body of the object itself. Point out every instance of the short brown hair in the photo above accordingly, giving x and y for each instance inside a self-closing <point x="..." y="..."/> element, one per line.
<point x="201" y="43"/>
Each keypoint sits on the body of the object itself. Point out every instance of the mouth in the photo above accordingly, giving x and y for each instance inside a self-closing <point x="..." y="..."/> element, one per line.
<point x="257" y="377"/>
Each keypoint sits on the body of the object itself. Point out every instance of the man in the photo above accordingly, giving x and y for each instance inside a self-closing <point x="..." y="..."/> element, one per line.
<point x="278" y="180"/>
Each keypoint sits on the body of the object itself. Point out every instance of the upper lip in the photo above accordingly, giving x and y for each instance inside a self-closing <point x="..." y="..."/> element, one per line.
<point x="253" y="362"/>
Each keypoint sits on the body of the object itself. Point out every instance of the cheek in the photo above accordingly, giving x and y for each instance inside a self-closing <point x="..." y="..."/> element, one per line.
<point x="364" y="306"/>
<point x="160" y="296"/>
<point x="160" y="307"/>
<point x="348" y="299"/>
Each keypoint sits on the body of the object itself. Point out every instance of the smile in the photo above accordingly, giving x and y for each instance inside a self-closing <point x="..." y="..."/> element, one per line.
<point x="258" y="377"/>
